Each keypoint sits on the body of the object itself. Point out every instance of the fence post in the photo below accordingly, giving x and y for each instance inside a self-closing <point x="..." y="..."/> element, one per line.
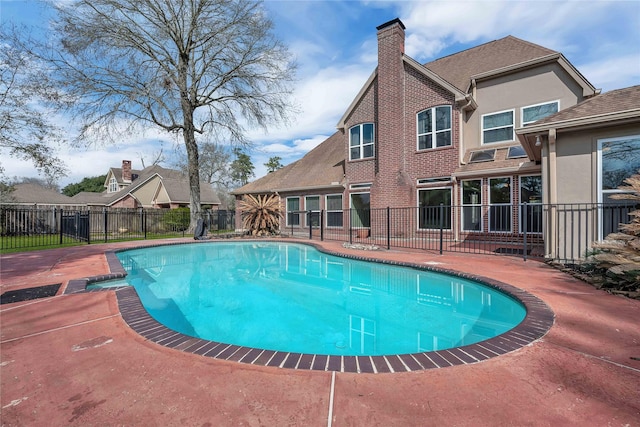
<point x="350" y="226"/>
<point x="104" y="214"/>
<point x="322" y="225"/>
<point x="441" y="225"/>
<point x="61" y="224"/>
<point x="310" y="225"/>
<point x="523" y="219"/>
<point x="144" y="222"/>
<point x="388" y="228"/>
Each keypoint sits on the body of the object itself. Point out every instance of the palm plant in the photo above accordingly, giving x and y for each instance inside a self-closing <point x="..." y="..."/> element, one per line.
<point x="620" y="252"/>
<point x="261" y="214"/>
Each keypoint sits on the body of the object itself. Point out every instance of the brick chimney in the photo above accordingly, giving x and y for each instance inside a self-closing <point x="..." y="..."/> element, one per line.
<point x="126" y="170"/>
<point x="391" y="184"/>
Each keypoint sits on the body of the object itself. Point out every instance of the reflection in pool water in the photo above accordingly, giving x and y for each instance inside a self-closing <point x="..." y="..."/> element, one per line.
<point x="291" y="297"/>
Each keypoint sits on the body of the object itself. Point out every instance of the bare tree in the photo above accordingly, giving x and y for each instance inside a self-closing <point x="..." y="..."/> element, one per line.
<point x="25" y="130"/>
<point x="187" y="66"/>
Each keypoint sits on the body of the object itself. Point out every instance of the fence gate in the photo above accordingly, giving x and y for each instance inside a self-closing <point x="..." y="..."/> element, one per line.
<point x="75" y="225"/>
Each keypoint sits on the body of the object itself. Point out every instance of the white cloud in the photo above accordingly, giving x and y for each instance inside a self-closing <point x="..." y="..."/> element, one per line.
<point x="627" y="72"/>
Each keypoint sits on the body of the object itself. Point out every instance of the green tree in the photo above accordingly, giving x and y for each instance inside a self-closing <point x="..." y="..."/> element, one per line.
<point x="93" y="185"/>
<point x="185" y="66"/>
<point x="274" y="164"/>
<point x="241" y="168"/>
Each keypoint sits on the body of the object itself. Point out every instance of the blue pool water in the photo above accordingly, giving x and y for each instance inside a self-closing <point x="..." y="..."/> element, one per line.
<point x="291" y="297"/>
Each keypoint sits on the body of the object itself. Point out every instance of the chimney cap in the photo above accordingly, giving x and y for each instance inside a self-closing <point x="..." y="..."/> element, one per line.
<point x="390" y="23"/>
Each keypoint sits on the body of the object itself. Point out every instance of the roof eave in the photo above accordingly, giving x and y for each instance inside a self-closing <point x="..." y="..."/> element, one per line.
<point x="352" y="106"/>
<point x="617" y="118"/>
<point x="465" y="100"/>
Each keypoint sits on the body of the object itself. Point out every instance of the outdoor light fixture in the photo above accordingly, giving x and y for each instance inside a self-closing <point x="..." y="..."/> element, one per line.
<point x="538" y="143"/>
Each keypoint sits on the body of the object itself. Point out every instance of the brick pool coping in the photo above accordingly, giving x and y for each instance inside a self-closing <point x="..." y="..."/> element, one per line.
<point x="537" y="322"/>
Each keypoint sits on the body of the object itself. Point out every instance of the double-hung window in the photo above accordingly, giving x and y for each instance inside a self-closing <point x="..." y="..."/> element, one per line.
<point x="472" y="205"/>
<point x="498" y="127"/>
<point x="500" y="204"/>
<point x="333" y="204"/>
<point x="434" y="127"/>
<point x="536" y="112"/>
<point x="531" y="194"/>
<point x="293" y="211"/>
<point x="361" y="141"/>
<point x="312" y="205"/>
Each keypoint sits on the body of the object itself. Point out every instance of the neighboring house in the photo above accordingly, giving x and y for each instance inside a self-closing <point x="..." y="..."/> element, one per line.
<point x="460" y="132"/>
<point x="30" y="195"/>
<point x="152" y="187"/>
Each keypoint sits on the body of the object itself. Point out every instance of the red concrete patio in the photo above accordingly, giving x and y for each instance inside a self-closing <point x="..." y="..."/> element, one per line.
<point x="72" y="360"/>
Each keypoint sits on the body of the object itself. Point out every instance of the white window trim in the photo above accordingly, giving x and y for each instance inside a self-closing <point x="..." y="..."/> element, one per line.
<point x="362" y="144"/>
<point x="510" y="204"/>
<point x="599" y="178"/>
<point x="287" y="212"/>
<point x="306" y="209"/>
<point x="327" y="210"/>
<point x="528" y="203"/>
<point x="113" y="185"/>
<point x="433" y="126"/>
<point x="463" y="205"/>
<point x="513" y="126"/>
<point x="418" y="210"/>
<point x="522" y="122"/>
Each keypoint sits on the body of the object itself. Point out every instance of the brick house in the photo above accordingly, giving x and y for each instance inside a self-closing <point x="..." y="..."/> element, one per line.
<point x="451" y="132"/>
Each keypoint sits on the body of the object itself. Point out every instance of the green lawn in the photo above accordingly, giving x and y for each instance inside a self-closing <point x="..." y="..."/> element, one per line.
<point x="12" y="244"/>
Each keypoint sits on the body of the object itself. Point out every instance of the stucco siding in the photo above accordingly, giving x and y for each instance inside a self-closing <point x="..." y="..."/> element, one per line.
<point x="514" y="91"/>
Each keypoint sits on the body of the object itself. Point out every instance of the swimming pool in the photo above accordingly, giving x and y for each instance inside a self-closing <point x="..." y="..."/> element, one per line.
<point x="293" y="298"/>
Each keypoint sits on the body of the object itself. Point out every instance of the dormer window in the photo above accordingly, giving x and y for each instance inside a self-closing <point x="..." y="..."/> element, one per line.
<point x="434" y="127"/>
<point x="361" y="141"/>
<point x="113" y="185"/>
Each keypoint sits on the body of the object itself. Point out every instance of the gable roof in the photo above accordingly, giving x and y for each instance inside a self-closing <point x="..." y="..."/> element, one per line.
<point x="37" y="194"/>
<point x="459" y="68"/>
<point x="175" y="180"/>
<point x="320" y="168"/>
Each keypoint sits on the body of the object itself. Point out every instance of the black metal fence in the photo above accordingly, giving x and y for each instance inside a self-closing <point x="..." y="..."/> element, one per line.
<point x="559" y="232"/>
<point x="26" y="227"/>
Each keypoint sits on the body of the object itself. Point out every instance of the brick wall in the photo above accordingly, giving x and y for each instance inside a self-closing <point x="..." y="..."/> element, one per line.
<point x="392" y="102"/>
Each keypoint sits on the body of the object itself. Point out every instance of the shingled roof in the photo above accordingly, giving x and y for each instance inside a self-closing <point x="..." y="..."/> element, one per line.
<point x="37" y="194"/>
<point x="322" y="167"/>
<point x="174" y="181"/>
<point x="459" y="68"/>
<point x="619" y="101"/>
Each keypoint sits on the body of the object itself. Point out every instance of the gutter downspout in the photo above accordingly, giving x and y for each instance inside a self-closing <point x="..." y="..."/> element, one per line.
<point x="553" y="194"/>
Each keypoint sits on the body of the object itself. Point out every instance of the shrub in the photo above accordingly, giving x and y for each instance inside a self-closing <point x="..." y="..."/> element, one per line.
<point x="619" y="253"/>
<point x="261" y="214"/>
<point x="177" y="219"/>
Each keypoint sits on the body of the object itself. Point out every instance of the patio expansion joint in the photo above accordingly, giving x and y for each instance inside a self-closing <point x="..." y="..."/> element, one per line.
<point x="591" y="356"/>
<point x="86" y="322"/>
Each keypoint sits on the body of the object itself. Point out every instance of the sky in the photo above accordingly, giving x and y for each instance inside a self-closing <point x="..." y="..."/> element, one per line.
<point x="334" y="45"/>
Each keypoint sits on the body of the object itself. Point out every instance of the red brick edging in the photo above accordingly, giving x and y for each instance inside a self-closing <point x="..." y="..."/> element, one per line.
<point x="537" y="322"/>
